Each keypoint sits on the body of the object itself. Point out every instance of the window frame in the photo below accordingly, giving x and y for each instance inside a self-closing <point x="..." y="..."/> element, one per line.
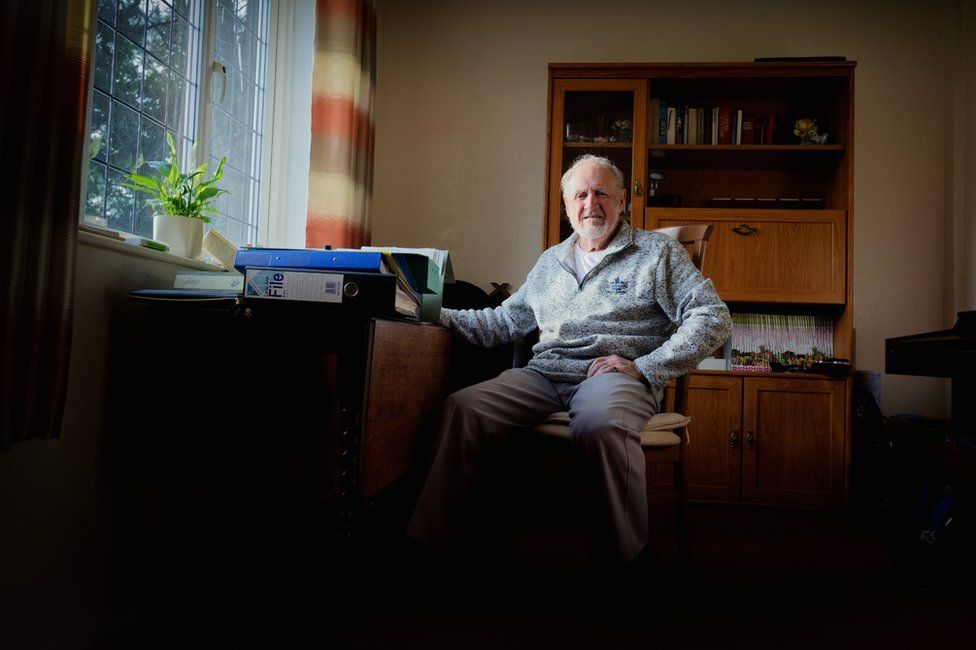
<point x="205" y="83"/>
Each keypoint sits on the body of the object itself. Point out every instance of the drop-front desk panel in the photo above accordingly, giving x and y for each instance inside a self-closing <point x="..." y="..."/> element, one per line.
<point x="278" y="404"/>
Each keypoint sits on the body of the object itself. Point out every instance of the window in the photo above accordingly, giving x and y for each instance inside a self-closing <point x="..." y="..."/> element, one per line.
<point x="151" y="76"/>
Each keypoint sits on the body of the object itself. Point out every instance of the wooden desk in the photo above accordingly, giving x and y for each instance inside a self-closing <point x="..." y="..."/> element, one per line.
<point x="311" y="404"/>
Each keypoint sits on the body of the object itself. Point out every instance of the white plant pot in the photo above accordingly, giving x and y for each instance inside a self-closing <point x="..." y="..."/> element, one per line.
<point x="183" y="234"/>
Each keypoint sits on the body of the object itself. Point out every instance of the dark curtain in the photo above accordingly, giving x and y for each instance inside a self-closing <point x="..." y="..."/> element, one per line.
<point x="45" y="56"/>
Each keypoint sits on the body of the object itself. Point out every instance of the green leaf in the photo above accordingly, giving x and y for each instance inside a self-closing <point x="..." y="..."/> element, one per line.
<point x="161" y="166"/>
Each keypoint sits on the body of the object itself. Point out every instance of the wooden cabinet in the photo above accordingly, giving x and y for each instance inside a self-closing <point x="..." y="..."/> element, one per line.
<point x="764" y="440"/>
<point x="793" y="444"/>
<point x="604" y="117"/>
<point x="713" y="462"/>
<point x="777" y="438"/>
<point x="796" y="256"/>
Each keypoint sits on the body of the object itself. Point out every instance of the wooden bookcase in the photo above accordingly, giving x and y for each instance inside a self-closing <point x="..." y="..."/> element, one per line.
<point x="773" y="438"/>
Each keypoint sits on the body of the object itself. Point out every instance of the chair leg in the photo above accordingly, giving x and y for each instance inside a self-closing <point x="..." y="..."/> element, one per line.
<point x="685" y="567"/>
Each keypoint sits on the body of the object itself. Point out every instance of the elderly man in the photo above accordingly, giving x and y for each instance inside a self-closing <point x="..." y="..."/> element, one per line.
<point x="620" y="311"/>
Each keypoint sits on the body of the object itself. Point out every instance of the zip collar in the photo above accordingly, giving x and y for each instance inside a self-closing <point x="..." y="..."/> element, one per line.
<point x="621" y="240"/>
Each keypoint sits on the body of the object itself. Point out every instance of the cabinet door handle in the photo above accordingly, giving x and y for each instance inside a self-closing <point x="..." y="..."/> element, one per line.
<point x="744" y="229"/>
<point x="637" y="187"/>
<point x="734" y="439"/>
<point x="750" y="439"/>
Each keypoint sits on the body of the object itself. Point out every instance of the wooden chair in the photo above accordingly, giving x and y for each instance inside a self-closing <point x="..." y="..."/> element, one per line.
<point x="664" y="437"/>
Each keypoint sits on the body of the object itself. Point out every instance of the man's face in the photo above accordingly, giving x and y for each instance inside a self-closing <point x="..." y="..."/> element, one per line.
<point x="594" y="203"/>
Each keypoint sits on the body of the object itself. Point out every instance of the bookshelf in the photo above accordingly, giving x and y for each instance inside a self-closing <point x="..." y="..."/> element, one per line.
<point x="782" y="244"/>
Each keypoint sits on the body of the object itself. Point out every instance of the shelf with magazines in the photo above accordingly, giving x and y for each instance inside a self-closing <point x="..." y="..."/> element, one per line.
<point x="598" y="145"/>
<point x="763" y="152"/>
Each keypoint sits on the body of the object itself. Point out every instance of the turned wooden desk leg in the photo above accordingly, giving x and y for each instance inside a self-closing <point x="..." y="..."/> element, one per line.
<point x="350" y="507"/>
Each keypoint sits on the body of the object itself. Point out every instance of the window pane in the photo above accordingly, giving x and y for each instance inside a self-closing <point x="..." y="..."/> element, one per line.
<point x="145" y="85"/>
<point x="158" y="29"/>
<point x="98" y="138"/>
<point x="182" y="7"/>
<point x="178" y="55"/>
<point x="177" y="107"/>
<point x="132" y="20"/>
<point x="118" y="202"/>
<point x="152" y="144"/>
<point x="123" y="137"/>
<point x="154" y="88"/>
<point x="106" y="11"/>
<point x="95" y="203"/>
<point x="104" y="54"/>
<point x="128" y="72"/>
<point x="241" y="45"/>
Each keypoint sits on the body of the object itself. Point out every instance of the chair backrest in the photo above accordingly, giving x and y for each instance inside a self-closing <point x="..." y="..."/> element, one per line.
<point x="694" y="236"/>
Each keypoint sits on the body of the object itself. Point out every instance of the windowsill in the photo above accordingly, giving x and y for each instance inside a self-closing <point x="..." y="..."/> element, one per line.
<point x="141" y="251"/>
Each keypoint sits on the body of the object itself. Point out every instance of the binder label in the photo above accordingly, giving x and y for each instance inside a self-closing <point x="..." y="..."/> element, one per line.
<point x="293" y="285"/>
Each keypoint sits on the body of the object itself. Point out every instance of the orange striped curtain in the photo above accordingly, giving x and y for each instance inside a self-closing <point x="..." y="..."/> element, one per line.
<point x="340" y="179"/>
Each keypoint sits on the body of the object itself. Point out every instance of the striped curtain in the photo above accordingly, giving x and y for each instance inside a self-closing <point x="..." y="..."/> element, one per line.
<point x="340" y="180"/>
<point x="45" y="62"/>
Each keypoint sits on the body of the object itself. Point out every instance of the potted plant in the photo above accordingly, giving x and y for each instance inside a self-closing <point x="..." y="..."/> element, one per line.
<point x="180" y="200"/>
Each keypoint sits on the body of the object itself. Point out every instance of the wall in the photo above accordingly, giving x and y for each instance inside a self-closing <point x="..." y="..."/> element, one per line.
<point x="461" y="116"/>
<point x="77" y="563"/>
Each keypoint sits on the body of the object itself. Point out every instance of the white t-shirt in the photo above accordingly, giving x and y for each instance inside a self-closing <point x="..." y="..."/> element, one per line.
<point x="587" y="260"/>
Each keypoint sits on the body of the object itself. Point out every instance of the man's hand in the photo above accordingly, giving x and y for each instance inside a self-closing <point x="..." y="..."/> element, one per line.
<point x="613" y="363"/>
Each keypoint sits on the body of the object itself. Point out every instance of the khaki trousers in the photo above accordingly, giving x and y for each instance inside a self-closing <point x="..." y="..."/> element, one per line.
<point x="607" y="413"/>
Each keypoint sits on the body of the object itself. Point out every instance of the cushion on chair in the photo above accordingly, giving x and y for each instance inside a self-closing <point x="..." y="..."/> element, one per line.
<point x="658" y="432"/>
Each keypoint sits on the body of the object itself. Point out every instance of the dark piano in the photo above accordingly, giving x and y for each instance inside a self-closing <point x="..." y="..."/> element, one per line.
<point x="947" y="353"/>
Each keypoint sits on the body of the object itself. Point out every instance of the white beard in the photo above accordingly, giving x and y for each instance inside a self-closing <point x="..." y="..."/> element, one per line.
<point x="590" y="229"/>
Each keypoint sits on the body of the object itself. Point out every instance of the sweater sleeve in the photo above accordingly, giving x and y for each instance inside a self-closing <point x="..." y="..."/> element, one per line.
<point x="488" y="327"/>
<point x="691" y="302"/>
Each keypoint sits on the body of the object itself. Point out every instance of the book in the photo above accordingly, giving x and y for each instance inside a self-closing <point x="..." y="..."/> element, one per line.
<point x="216" y="280"/>
<point x="653" y="119"/>
<point x="145" y="242"/>
<point x="714" y="126"/>
<point x="724" y="125"/>
<point x="748" y="130"/>
<point x="770" y="130"/>
<point x="672" y="132"/>
<point x="738" y="127"/>
<point x="692" y="126"/>
<point x="662" y="131"/>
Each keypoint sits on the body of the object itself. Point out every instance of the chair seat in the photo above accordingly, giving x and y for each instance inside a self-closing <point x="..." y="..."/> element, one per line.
<point x="658" y="432"/>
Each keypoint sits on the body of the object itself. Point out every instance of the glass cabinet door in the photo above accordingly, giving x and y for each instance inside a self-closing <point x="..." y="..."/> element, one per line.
<point x="600" y="117"/>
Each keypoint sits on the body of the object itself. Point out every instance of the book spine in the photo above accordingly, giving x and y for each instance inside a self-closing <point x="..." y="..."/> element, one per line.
<point x="715" y="125"/>
<point x="770" y="129"/>
<point x="662" y="130"/>
<point x="724" y="125"/>
<point x="692" y="126"/>
<point x="700" y="133"/>
<point x="748" y="130"/>
<point x="653" y="115"/>
<point x="738" y="127"/>
<point x="672" y="135"/>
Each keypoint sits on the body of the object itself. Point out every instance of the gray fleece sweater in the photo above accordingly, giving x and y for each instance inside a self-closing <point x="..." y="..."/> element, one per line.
<point x="644" y="301"/>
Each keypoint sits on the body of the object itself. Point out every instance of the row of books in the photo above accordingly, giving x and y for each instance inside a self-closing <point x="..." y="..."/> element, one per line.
<point x="673" y="123"/>
<point x="767" y="342"/>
